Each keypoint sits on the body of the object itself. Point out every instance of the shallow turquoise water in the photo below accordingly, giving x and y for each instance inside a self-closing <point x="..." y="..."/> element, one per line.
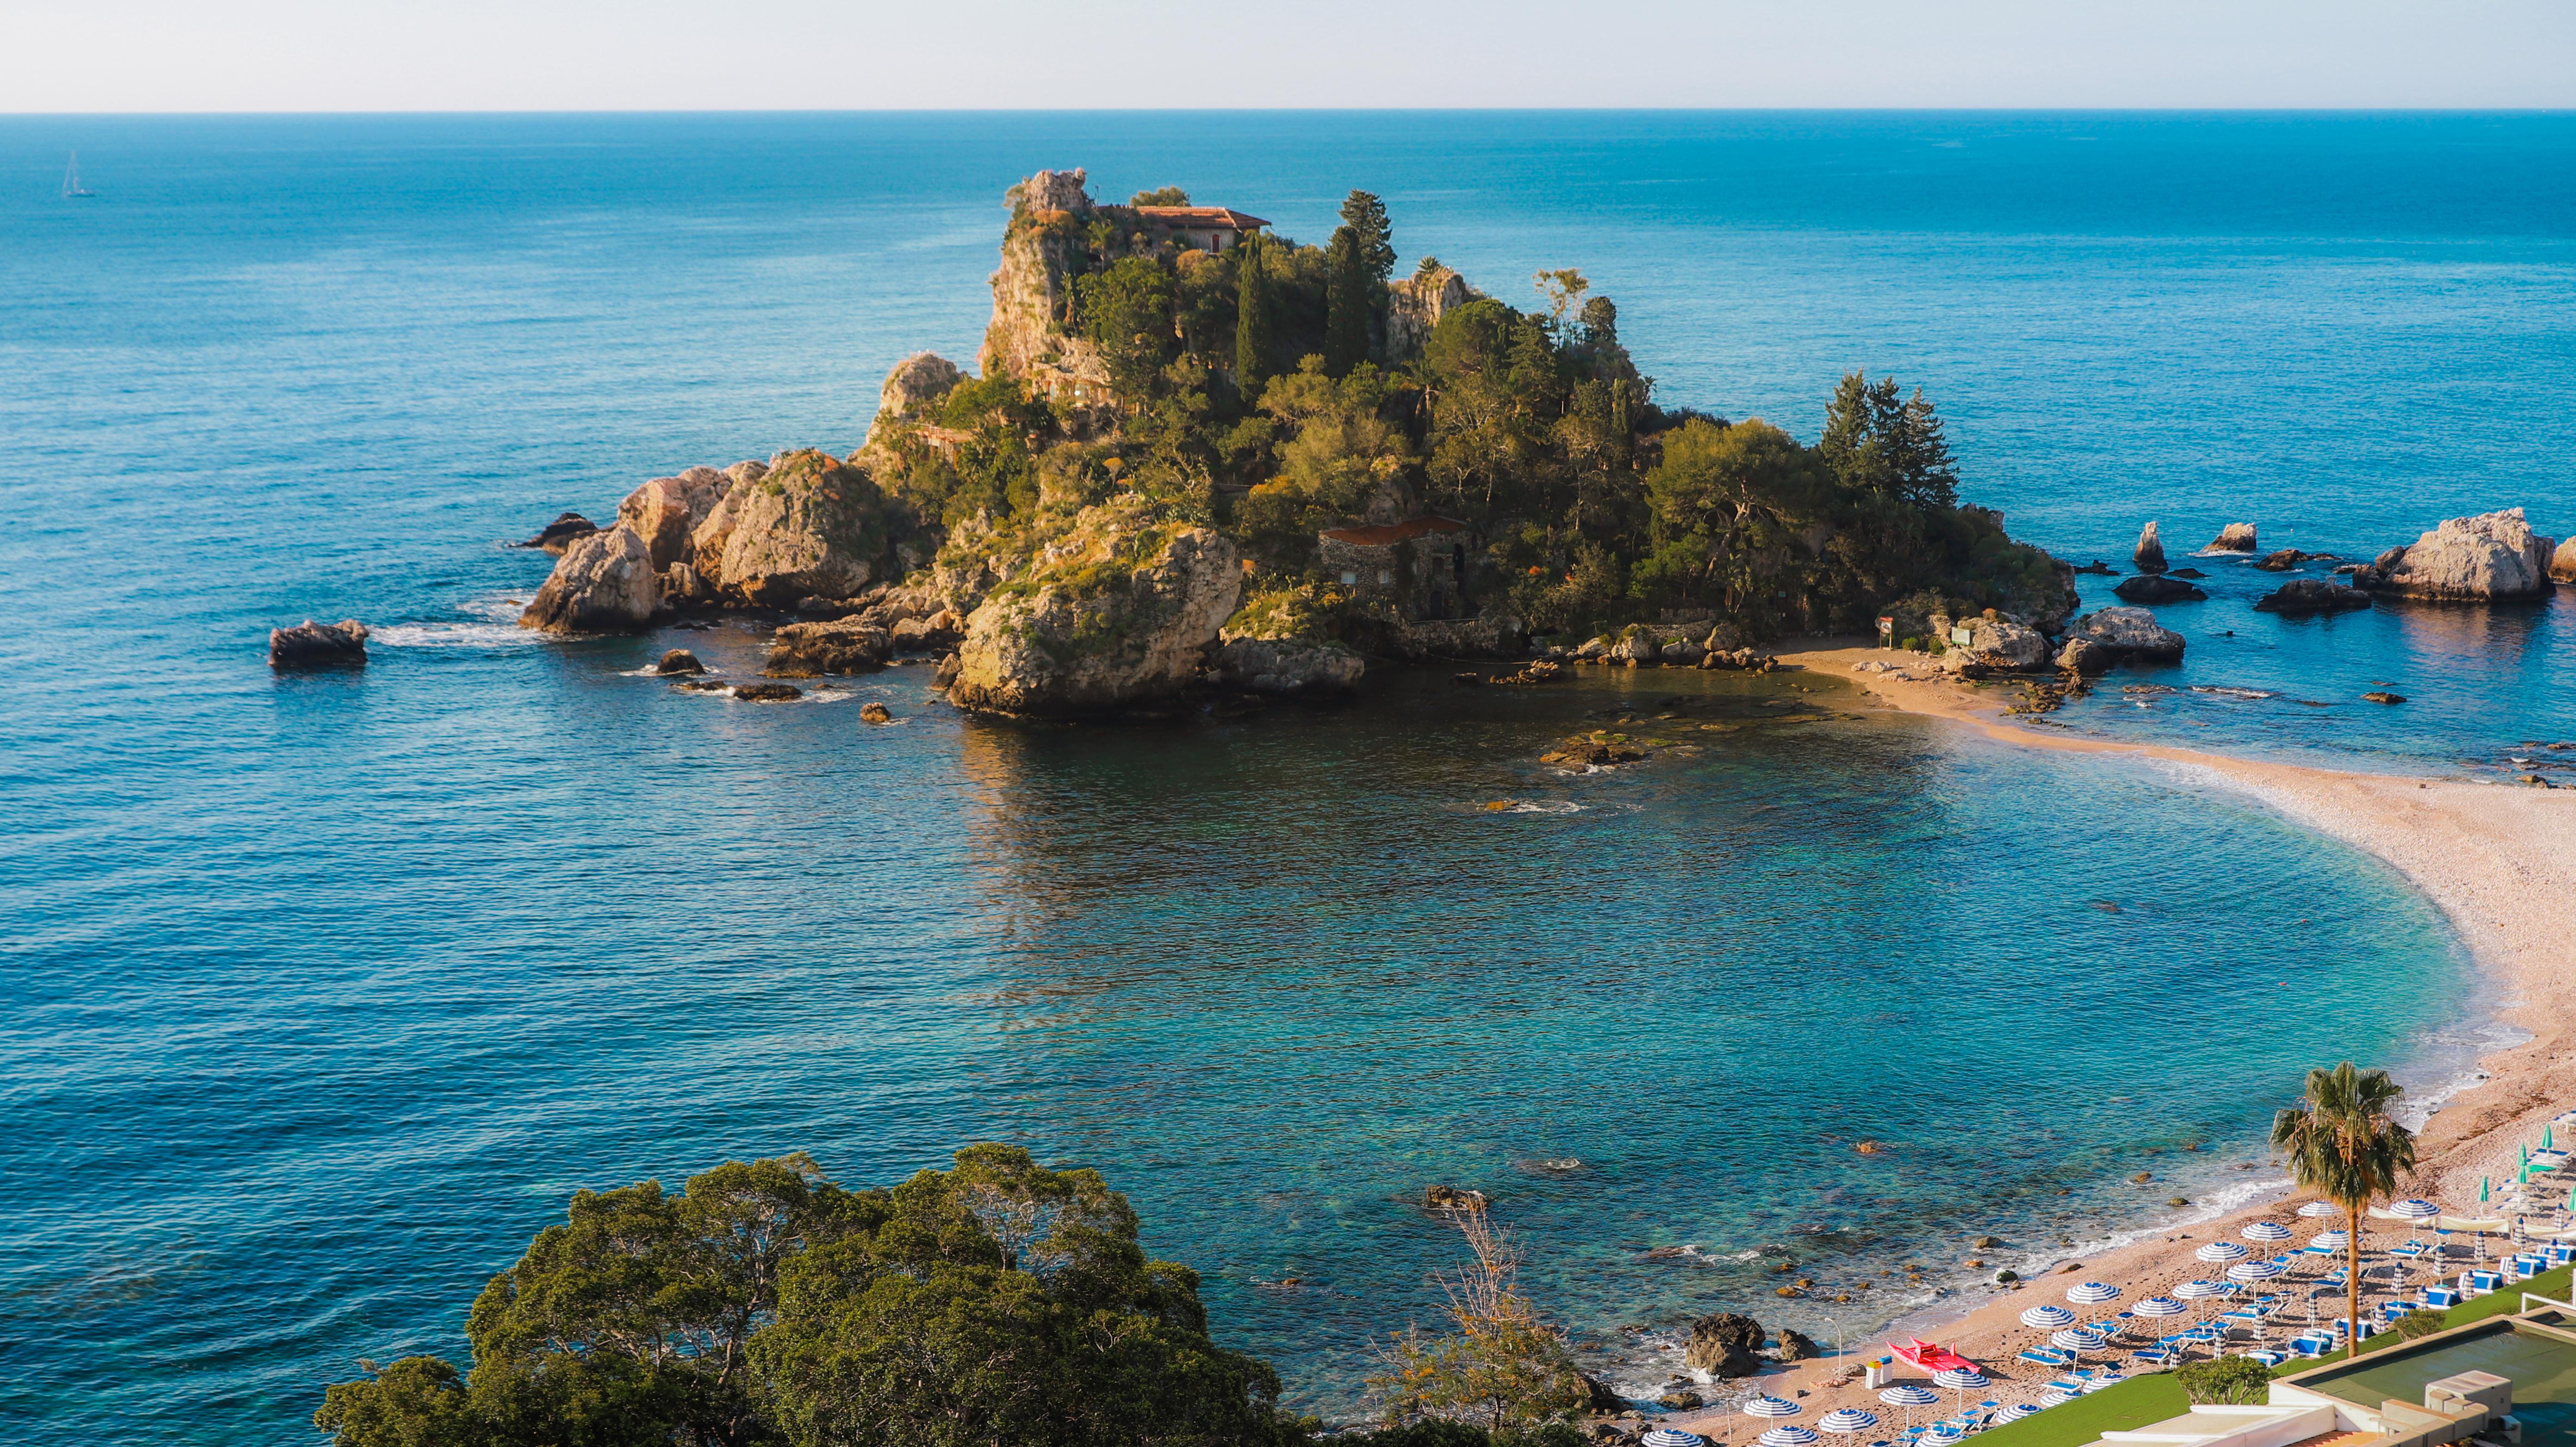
<point x="326" y="991"/>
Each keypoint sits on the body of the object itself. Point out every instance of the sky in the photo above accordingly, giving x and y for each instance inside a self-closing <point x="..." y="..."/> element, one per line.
<point x="401" y="55"/>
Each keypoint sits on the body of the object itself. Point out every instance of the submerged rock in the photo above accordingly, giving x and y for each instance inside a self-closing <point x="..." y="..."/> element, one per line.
<point x="2150" y="555"/>
<point x="318" y="645"/>
<point x="768" y="692"/>
<point x="2233" y="538"/>
<point x="1453" y="1198"/>
<point x="2130" y="633"/>
<point x="842" y="645"/>
<point x="2301" y="597"/>
<point x="2492" y="557"/>
<point x="1122" y="607"/>
<point x="2282" y="561"/>
<point x="567" y="529"/>
<point x="2376" y="697"/>
<point x="2157" y="588"/>
<point x="604" y="584"/>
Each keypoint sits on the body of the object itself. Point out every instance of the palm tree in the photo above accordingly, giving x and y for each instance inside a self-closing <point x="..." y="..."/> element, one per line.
<point x="2342" y="1145"/>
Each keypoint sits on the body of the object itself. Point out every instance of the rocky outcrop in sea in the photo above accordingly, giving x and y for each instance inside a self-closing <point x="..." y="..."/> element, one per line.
<point x="2490" y="558"/>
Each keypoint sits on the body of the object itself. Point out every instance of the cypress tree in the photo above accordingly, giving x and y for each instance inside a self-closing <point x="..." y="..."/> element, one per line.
<point x="1349" y="302"/>
<point x="1254" y="324"/>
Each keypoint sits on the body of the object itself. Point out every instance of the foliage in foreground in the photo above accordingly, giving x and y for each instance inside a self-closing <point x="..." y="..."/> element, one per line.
<point x="994" y="1302"/>
<point x="2228" y="1381"/>
<point x="1502" y="1368"/>
<point x="2344" y="1143"/>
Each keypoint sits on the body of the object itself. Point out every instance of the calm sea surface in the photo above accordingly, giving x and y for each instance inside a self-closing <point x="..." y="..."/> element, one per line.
<point x="322" y="993"/>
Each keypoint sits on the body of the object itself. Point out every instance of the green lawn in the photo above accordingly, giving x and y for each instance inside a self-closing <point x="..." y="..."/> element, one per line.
<point x="2156" y="1396"/>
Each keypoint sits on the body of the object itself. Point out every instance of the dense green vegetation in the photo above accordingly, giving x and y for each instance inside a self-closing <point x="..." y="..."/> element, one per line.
<point x="994" y="1302"/>
<point x="1264" y="389"/>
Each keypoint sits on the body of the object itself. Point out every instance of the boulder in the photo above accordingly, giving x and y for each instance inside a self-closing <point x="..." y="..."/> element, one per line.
<point x="1724" y="1345"/>
<point x="2233" y="538"/>
<point x="2562" y="563"/>
<point x="842" y="645"/>
<point x="2083" y="655"/>
<point x="768" y="692"/>
<point x="2379" y="697"/>
<point x="919" y="378"/>
<point x="1997" y="646"/>
<point x="318" y="645"/>
<point x="1636" y="644"/>
<point x="2150" y="556"/>
<point x="2493" y="557"/>
<point x="811" y="525"/>
<point x="1121" y="607"/>
<point x="941" y="632"/>
<point x="684" y="588"/>
<point x="875" y="713"/>
<point x="679" y="660"/>
<point x="604" y="584"/>
<point x="563" y="532"/>
<point x="2156" y="588"/>
<point x="1677" y="652"/>
<point x="1287" y="665"/>
<point x="2129" y="633"/>
<point x="665" y="511"/>
<point x="2282" y="561"/>
<point x="1796" y="1346"/>
<point x="2301" y="597"/>
<point x="1453" y="1198"/>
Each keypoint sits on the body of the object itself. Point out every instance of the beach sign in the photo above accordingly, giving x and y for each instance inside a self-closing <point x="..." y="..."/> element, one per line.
<point x="1886" y="631"/>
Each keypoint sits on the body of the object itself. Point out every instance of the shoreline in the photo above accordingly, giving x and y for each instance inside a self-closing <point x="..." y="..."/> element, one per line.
<point x="2498" y="862"/>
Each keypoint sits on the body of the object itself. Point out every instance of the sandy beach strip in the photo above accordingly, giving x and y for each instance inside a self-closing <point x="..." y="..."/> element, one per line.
<point x="2500" y="863"/>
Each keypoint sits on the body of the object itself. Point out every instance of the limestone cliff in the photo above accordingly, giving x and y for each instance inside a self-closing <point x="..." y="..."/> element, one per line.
<point x="1043" y="249"/>
<point x="2492" y="557"/>
<point x="1416" y="304"/>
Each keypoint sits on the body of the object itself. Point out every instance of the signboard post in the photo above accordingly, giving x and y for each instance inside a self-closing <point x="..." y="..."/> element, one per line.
<point x="1886" y="632"/>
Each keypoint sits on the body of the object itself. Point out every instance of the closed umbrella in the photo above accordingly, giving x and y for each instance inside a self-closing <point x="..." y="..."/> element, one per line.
<point x="1846" y="1420"/>
<point x="1910" y="1397"/>
<point x="2222" y="1252"/>
<point x="1787" y="1437"/>
<point x="1672" y="1437"/>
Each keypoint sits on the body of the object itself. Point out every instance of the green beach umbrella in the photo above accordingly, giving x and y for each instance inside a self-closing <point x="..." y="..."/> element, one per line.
<point x="2482" y="1190"/>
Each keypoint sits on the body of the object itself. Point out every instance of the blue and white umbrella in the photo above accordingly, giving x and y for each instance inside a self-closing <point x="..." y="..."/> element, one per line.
<point x="1846" y="1420"/>
<point x="2198" y="1290"/>
<point x="2107" y="1379"/>
<point x="2048" y="1318"/>
<point x="2416" y="1209"/>
<point x="1909" y="1397"/>
<point x="1944" y="1432"/>
<point x="2019" y="1410"/>
<point x="2255" y="1270"/>
<point x="2220" y="1252"/>
<point x="2331" y="1240"/>
<point x="1788" y="1437"/>
<point x="2160" y="1306"/>
<point x="1960" y="1378"/>
<point x="2316" y="1209"/>
<point x="1769" y="1407"/>
<point x="2266" y="1231"/>
<point x="1672" y="1437"/>
<point x="2092" y="1293"/>
<point x="2056" y="1397"/>
<point x="2080" y="1339"/>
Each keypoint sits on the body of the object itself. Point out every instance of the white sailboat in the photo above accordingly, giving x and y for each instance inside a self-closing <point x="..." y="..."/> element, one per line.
<point x="71" y="178"/>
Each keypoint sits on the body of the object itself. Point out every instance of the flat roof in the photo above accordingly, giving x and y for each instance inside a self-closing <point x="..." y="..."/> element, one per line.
<point x="2540" y="1363"/>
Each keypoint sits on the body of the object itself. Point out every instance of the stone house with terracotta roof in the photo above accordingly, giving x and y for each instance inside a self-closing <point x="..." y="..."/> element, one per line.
<point x="1419" y="565"/>
<point x="1203" y="228"/>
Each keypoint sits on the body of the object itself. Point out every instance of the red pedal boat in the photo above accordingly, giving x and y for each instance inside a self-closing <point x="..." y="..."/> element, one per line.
<point x="1929" y="1356"/>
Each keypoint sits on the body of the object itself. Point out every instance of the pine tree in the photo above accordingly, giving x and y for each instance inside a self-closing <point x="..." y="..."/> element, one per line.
<point x="1350" y="303"/>
<point x="1254" y="324"/>
<point x="1366" y="217"/>
<point x="1919" y="456"/>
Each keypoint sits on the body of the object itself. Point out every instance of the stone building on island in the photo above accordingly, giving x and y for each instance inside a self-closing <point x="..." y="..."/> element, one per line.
<point x="1202" y="228"/>
<point x="1419" y="565"/>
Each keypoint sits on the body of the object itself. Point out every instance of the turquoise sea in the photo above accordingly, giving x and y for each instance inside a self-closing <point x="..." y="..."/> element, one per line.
<point x="322" y="993"/>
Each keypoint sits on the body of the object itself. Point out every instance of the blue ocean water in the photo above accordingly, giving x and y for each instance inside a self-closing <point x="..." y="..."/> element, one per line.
<point x="324" y="992"/>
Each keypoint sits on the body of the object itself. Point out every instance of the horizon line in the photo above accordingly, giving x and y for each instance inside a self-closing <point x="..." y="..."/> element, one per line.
<point x="1892" y="110"/>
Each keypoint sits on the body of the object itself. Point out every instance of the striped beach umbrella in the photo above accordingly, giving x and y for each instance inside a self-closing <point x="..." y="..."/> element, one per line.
<point x="2414" y="1209"/>
<point x="2056" y="1397"/>
<point x="1960" y="1380"/>
<point x="2332" y="1240"/>
<point x="2316" y="1209"/>
<point x="2198" y="1291"/>
<point x="2220" y="1252"/>
<point x="2107" y="1379"/>
<point x="2019" y="1410"/>
<point x="1909" y="1396"/>
<point x="2092" y="1293"/>
<point x="2266" y="1231"/>
<point x="2048" y="1318"/>
<point x="1846" y="1420"/>
<point x="1944" y="1432"/>
<point x="2255" y="1270"/>
<point x="1769" y="1407"/>
<point x="1788" y="1437"/>
<point x="1672" y="1437"/>
<point x="2079" y="1339"/>
<point x="2160" y="1306"/>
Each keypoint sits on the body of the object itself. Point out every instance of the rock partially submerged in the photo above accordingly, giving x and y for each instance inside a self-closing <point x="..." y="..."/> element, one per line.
<point x="1287" y="665"/>
<point x="842" y="645"/>
<point x="679" y="661"/>
<point x="2562" y="563"/>
<point x="318" y="645"/>
<point x="2490" y="558"/>
<point x="1725" y="1345"/>
<point x="2150" y="555"/>
<point x="2157" y="588"/>
<point x="1123" y="607"/>
<point x="2233" y="538"/>
<point x="2304" y="597"/>
<point x="2130" y="634"/>
<point x="567" y="529"/>
<point x="604" y="584"/>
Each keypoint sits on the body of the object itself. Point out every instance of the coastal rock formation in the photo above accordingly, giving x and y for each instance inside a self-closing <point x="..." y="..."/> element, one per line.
<point x="318" y="645"/>
<point x="1122" y="607"/>
<point x="2562" y="563"/>
<point x="563" y="532"/>
<point x="2233" y="538"/>
<point x="810" y="525"/>
<point x="2130" y="633"/>
<point x="666" y="510"/>
<point x="1453" y="1198"/>
<point x="1796" y="1346"/>
<point x="2084" y="656"/>
<point x="2150" y="556"/>
<point x="1287" y="665"/>
<point x="1725" y="1345"/>
<point x="940" y="632"/>
<point x="1043" y="250"/>
<point x="875" y="713"/>
<point x="2282" y="561"/>
<point x="679" y="661"/>
<point x="2157" y="588"/>
<point x="2492" y="557"/>
<point x="2302" y="597"/>
<point x="919" y="378"/>
<point x="1416" y="304"/>
<point x="604" y="584"/>
<point x="843" y="645"/>
<point x="1995" y="646"/>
